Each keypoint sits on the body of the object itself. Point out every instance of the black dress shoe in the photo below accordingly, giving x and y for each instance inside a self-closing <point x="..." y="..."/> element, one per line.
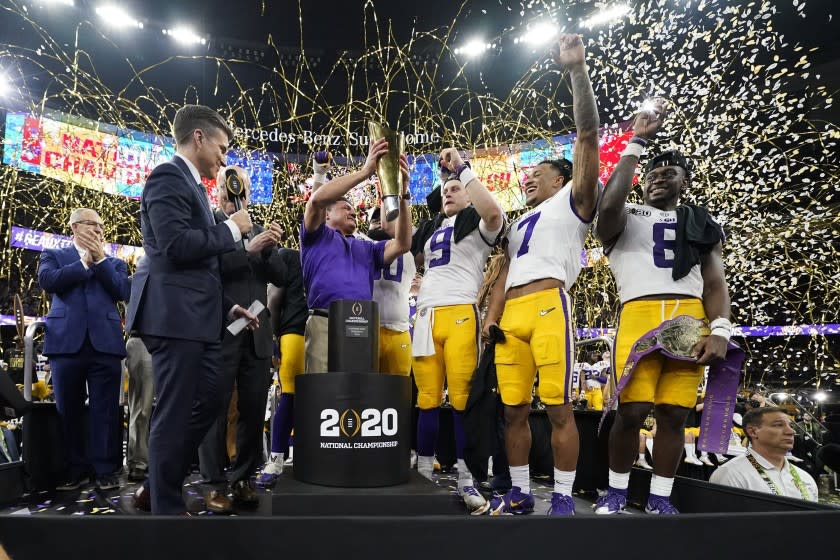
<point x="73" y="483"/>
<point x="244" y="493"/>
<point x="143" y="499"/>
<point x="107" y="482"/>
<point x="137" y="474"/>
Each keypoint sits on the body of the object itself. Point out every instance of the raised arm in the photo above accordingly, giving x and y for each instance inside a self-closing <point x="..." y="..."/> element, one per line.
<point x="401" y="243"/>
<point x="611" y="215"/>
<point x="316" y="208"/>
<point x="485" y="204"/>
<point x="569" y="53"/>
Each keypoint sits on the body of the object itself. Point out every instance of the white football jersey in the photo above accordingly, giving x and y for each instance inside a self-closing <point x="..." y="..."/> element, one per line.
<point x="390" y="290"/>
<point x="642" y="259"/>
<point x="454" y="271"/>
<point x="546" y="242"/>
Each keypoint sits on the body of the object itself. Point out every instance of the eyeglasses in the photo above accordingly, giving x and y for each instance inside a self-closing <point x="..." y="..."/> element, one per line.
<point x="91" y="223"/>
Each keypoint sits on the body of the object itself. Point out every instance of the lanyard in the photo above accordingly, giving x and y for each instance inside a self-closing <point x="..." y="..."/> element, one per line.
<point x="796" y="478"/>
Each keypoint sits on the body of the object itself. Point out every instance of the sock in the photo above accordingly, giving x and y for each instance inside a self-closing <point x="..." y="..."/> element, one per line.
<point x="460" y="434"/>
<point x="426" y="465"/>
<point x="641" y="457"/>
<point x="428" y="422"/>
<point x="661" y="486"/>
<point x="464" y="474"/>
<point x="619" y="481"/>
<point x="563" y="481"/>
<point x="689" y="450"/>
<point x="278" y="457"/>
<point x="282" y="424"/>
<point x="521" y="477"/>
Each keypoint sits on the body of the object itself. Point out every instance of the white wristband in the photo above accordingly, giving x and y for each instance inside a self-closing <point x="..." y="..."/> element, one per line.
<point x="466" y="176"/>
<point x="633" y="149"/>
<point x="721" y="332"/>
<point x="722" y="322"/>
<point x="319" y="177"/>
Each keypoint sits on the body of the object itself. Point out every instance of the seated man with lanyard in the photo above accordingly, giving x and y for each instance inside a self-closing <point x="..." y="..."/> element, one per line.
<point x="666" y="260"/>
<point x="337" y="265"/>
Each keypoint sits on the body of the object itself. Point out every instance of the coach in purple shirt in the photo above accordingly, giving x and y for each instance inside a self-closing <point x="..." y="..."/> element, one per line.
<point x="337" y="265"/>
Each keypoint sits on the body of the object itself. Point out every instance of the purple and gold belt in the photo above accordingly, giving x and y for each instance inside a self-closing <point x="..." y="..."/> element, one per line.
<point x="675" y="339"/>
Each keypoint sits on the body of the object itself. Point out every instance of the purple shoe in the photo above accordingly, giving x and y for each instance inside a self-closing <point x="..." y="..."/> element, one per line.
<point x="561" y="504"/>
<point x="611" y="502"/>
<point x="660" y="505"/>
<point x="514" y="502"/>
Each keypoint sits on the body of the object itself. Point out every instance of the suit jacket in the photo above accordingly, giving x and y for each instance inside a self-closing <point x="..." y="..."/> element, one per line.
<point x="245" y="278"/>
<point x="83" y="301"/>
<point x="176" y="291"/>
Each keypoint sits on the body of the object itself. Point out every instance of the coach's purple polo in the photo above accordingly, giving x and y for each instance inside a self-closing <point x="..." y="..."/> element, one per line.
<point x="337" y="267"/>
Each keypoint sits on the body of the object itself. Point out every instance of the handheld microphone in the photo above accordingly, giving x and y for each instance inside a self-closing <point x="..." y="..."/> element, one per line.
<point x="235" y="192"/>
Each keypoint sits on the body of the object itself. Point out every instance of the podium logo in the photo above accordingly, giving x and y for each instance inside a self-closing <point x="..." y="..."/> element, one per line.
<point x="349" y="423"/>
<point x="356" y="309"/>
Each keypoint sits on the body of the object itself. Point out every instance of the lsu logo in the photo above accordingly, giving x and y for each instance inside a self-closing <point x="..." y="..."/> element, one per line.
<point x="349" y="423"/>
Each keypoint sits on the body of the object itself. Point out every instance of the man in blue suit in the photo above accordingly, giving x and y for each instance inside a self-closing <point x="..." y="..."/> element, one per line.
<point x="84" y="341"/>
<point x="177" y="302"/>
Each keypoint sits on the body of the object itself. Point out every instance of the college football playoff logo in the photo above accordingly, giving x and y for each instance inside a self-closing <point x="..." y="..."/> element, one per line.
<point x="356" y="309"/>
<point x="349" y="423"/>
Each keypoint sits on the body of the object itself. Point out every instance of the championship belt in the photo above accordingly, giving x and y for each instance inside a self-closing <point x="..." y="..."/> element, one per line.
<point x="674" y="339"/>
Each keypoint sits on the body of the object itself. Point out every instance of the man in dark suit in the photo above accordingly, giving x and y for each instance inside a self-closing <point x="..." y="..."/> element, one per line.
<point x="246" y="357"/>
<point x="177" y="302"/>
<point x="84" y="341"/>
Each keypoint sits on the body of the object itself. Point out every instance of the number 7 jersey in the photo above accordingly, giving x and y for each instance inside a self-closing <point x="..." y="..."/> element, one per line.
<point x="642" y="258"/>
<point x="547" y="242"/>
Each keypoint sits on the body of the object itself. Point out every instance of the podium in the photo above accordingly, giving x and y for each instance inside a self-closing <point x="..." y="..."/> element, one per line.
<point x="352" y="424"/>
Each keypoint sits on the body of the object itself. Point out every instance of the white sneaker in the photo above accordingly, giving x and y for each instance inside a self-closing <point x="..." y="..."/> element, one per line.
<point x="274" y="467"/>
<point x="721" y="459"/>
<point x="692" y="460"/>
<point x="704" y="458"/>
<point x="472" y="497"/>
<point x="642" y="462"/>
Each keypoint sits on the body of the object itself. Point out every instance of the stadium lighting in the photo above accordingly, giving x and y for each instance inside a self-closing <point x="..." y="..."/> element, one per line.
<point x="58" y="2"/>
<point x="117" y="17"/>
<point x="540" y="34"/>
<point x="4" y="84"/>
<point x="473" y="48"/>
<point x="820" y="396"/>
<point x="780" y="396"/>
<point x="606" y="15"/>
<point x="185" y="35"/>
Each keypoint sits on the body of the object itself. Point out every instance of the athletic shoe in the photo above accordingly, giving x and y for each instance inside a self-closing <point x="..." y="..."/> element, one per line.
<point x="660" y="505"/>
<point x="73" y="483"/>
<point x="472" y="497"/>
<point x="107" y="482"/>
<point x="514" y="502"/>
<point x="270" y="473"/>
<point x="642" y="462"/>
<point x="692" y="460"/>
<point x="704" y="458"/>
<point x="561" y="504"/>
<point x="721" y="459"/>
<point x="612" y="502"/>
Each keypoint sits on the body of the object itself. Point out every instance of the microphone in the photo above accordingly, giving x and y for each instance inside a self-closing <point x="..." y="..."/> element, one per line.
<point x="235" y="192"/>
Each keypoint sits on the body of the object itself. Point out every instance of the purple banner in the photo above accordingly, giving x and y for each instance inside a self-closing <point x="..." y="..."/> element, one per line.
<point x="759" y="330"/>
<point x="36" y="240"/>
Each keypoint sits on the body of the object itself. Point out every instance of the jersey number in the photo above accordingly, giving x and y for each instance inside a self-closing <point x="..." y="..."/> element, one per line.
<point x="388" y="275"/>
<point x="660" y="245"/>
<point x="529" y="223"/>
<point x="440" y="242"/>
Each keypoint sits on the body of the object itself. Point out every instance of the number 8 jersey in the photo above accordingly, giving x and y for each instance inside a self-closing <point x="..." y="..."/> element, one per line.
<point x="547" y="242"/>
<point x="642" y="258"/>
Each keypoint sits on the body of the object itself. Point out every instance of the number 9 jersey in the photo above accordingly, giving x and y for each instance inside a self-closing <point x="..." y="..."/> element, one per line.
<point x="547" y="242"/>
<point x="642" y="258"/>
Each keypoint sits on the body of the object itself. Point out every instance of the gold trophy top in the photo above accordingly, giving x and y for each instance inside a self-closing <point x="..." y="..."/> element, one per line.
<point x="388" y="167"/>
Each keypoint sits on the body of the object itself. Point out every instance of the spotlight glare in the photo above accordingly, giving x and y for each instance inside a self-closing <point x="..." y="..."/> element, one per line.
<point x="4" y="84"/>
<point x="820" y="396"/>
<point x="539" y="34"/>
<point x="185" y="35"/>
<point x="473" y="48"/>
<point x="117" y="17"/>
<point x="58" y="2"/>
<point x="606" y="15"/>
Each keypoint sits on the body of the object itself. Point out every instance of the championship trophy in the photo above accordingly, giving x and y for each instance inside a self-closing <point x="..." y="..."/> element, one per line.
<point x="388" y="167"/>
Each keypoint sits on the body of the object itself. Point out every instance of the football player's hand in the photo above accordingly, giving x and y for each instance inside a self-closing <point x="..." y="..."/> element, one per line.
<point x="710" y="349"/>
<point x="649" y="118"/>
<point x="485" y="329"/>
